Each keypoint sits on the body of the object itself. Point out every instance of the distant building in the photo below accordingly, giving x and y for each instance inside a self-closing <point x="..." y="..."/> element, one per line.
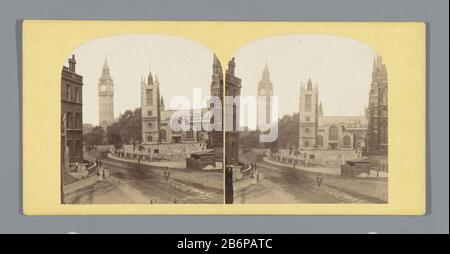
<point x="71" y="113"/>
<point x="232" y="88"/>
<point x="377" y="133"/>
<point x="317" y="131"/>
<point x="106" y="97"/>
<point x="265" y="92"/>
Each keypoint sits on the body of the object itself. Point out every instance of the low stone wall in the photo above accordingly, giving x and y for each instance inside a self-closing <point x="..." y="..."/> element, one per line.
<point x="168" y="152"/>
<point x="315" y="157"/>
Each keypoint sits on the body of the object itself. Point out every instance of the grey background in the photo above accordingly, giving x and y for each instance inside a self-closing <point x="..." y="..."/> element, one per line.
<point x="435" y="13"/>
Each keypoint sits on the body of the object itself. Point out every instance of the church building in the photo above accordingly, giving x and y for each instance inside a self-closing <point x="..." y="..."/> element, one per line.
<point x="317" y="131"/>
<point x="377" y="133"/>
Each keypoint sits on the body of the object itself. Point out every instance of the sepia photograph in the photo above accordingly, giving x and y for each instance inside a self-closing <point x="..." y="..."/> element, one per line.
<point x="141" y="122"/>
<point x="310" y="124"/>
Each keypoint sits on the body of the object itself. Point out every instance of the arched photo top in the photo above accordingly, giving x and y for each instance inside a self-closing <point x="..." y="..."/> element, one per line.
<point x="340" y="67"/>
<point x="180" y="65"/>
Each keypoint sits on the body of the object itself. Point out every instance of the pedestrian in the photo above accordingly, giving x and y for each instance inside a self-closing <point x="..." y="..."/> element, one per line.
<point x="100" y="174"/>
<point x="319" y="179"/>
<point x="255" y="176"/>
<point x="167" y="173"/>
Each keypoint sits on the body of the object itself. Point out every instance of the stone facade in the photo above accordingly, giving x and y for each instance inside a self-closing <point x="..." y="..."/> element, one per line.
<point x="377" y="134"/>
<point x="71" y="113"/>
<point x="106" y="97"/>
<point x="308" y="115"/>
<point x="156" y="119"/>
<point x="216" y="89"/>
<point x="232" y="88"/>
<point x="150" y="110"/>
<point x="317" y="131"/>
<point x="265" y="92"/>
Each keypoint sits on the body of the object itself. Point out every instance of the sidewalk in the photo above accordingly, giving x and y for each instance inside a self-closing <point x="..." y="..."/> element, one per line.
<point x="80" y="184"/>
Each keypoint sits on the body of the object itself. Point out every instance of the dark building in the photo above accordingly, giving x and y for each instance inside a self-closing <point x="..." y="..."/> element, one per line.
<point x="71" y="114"/>
<point x="232" y="89"/>
<point x="377" y="131"/>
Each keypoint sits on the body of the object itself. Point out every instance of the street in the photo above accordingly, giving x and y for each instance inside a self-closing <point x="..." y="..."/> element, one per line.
<point x="287" y="185"/>
<point x="130" y="183"/>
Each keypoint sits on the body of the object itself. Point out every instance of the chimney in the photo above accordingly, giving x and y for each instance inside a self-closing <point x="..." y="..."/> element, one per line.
<point x="72" y="63"/>
<point x="231" y="66"/>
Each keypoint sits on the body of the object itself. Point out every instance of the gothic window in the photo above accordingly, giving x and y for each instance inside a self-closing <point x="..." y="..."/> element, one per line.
<point x="346" y="141"/>
<point x="307" y="118"/>
<point x="149" y="96"/>
<point x="189" y="134"/>
<point x="162" y="135"/>
<point x="149" y="113"/>
<point x="319" y="141"/>
<point x="150" y="138"/>
<point x="306" y="143"/>
<point x="149" y="125"/>
<point x="383" y="133"/>
<point x="308" y="103"/>
<point x="307" y="131"/>
<point x="384" y="96"/>
<point x="333" y="133"/>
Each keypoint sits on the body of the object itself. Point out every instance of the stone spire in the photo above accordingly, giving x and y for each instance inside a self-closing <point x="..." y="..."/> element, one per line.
<point x="320" y="110"/>
<point x="162" y="105"/>
<point x="265" y="81"/>
<point x="309" y="85"/>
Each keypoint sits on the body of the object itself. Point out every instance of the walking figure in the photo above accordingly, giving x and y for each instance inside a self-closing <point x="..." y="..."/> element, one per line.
<point x="167" y="174"/>
<point x="319" y="179"/>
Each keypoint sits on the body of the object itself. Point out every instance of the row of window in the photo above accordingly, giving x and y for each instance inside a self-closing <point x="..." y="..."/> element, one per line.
<point x="73" y="121"/>
<point x="72" y="94"/>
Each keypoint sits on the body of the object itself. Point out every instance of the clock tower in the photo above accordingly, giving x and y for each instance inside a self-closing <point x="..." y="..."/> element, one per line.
<point x="106" y="97"/>
<point x="265" y="92"/>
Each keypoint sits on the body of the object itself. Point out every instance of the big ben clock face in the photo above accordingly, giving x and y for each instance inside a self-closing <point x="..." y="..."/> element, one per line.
<point x="103" y="88"/>
<point x="262" y="92"/>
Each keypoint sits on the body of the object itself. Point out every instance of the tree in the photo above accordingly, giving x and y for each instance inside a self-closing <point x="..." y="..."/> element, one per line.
<point x="127" y="130"/>
<point x="249" y="141"/>
<point x="113" y="135"/>
<point x="289" y="130"/>
<point x="95" y="137"/>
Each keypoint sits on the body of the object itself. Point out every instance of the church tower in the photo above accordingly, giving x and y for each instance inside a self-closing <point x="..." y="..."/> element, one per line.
<point x="150" y="103"/>
<point x="216" y="89"/>
<point x="308" y="115"/>
<point x="377" y="129"/>
<point x="265" y="92"/>
<point x="106" y="97"/>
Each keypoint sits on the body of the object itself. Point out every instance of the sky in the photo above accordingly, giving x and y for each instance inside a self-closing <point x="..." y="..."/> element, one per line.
<point x="180" y="64"/>
<point x="341" y="66"/>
